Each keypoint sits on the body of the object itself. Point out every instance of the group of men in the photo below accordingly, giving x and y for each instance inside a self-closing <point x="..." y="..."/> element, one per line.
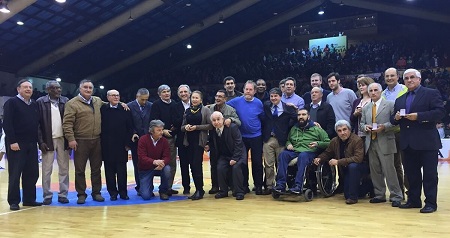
<point x="275" y="126"/>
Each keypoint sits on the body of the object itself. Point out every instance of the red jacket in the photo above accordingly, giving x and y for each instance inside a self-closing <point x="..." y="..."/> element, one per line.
<point x="147" y="152"/>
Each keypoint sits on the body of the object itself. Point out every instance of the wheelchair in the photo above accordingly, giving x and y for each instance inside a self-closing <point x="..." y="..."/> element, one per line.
<point x="325" y="179"/>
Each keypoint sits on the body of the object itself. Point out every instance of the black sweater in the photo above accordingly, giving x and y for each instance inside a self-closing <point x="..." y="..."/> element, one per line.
<point x="20" y="121"/>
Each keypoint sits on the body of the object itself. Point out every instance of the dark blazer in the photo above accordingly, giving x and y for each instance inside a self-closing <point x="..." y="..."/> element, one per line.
<point x="420" y="134"/>
<point x="325" y="117"/>
<point x="307" y="96"/>
<point x="45" y="120"/>
<point x="282" y="123"/>
<point x="233" y="142"/>
<point x="178" y="112"/>
<point x="117" y="129"/>
<point x="141" y="121"/>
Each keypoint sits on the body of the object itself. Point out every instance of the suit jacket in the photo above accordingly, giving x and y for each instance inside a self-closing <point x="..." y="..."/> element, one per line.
<point x="178" y="112"/>
<point x="422" y="133"/>
<point x="141" y="121"/>
<point x="386" y="138"/>
<point x="325" y="117"/>
<point x="281" y="124"/>
<point x="307" y="96"/>
<point x="233" y="142"/>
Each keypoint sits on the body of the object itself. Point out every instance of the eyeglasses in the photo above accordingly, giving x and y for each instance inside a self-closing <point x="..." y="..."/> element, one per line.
<point x="114" y="95"/>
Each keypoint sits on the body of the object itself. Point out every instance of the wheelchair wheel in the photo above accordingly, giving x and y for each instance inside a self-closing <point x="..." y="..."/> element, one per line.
<point x="327" y="179"/>
<point x="308" y="194"/>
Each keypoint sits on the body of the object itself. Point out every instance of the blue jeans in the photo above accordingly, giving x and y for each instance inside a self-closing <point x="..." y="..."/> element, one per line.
<point x="352" y="177"/>
<point x="304" y="159"/>
<point x="146" y="181"/>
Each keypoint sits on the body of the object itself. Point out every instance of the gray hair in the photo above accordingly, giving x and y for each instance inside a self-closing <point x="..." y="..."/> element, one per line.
<point x="415" y="71"/>
<point x="184" y="85"/>
<point x="342" y="123"/>
<point x="162" y="88"/>
<point x="50" y="83"/>
<point x="317" y="89"/>
<point x="86" y="81"/>
<point x="142" y="91"/>
<point x="250" y="82"/>
<point x="215" y="114"/>
<point x="375" y="84"/>
<point x="155" y="123"/>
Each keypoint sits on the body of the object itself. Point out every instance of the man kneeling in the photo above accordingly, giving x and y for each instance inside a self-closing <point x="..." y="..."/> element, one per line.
<point x="153" y="159"/>
<point x="304" y="139"/>
<point x="227" y="141"/>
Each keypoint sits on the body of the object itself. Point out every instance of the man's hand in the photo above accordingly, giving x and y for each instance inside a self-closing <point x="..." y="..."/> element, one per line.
<point x="411" y="116"/>
<point x="159" y="163"/>
<point x="316" y="161"/>
<point x="317" y="124"/>
<point x="333" y="162"/>
<point x="368" y="128"/>
<point x="135" y="137"/>
<point x="44" y="148"/>
<point x="125" y="106"/>
<point x="380" y="128"/>
<point x="397" y="116"/>
<point x="313" y="144"/>
<point x="290" y="147"/>
<point x="166" y="133"/>
<point x="232" y="162"/>
<point x="73" y="145"/>
<point x="227" y="122"/>
<point x="291" y="104"/>
<point x="15" y="147"/>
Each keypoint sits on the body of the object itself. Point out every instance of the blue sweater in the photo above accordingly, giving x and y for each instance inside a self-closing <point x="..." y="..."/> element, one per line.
<point x="250" y="114"/>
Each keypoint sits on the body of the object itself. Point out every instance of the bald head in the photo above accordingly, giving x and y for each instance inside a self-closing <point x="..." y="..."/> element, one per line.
<point x="391" y="77"/>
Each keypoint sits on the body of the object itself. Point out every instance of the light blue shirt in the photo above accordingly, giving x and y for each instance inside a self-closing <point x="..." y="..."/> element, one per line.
<point x="294" y="99"/>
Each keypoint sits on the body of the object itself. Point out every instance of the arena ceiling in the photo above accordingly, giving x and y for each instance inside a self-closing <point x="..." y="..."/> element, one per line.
<point x="116" y="41"/>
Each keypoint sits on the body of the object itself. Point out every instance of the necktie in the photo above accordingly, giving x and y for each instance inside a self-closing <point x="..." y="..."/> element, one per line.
<point x="275" y="111"/>
<point x="142" y="108"/>
<point x="374" y="114"/>
<point x="409" y="100"/>
<point x="219" y="133"/>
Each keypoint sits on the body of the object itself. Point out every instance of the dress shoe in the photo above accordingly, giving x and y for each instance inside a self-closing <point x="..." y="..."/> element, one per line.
<point x="113" y="198"/>
<point x="220" y="195"/>
<point x="279" y="189"/>
<point x="81" y="199"/>
<point x="14" y="207"/>
<point x="171" y="191"/>
<point x="163" y="196"/>
<point x="124" y="197"/>
<point x="350" y="201"/>
<point x="98" y="198"/>
<point x="47" y="201"/>
<point x="396" y="204"/>
<point x="63" y="200"/>
<point x="427" y="209"/>
<point x="213" y="190"/>
<point x="186" y="192"/>
<point x="409" y="205"/>
<point x="267" y="191"/>
<point x="377" y="200"/>
<point x="32" y="204"/>
<point x="246" y="190"/>
<point x="259" y="191"/>
<point x="239" y="196"/>
<point x="197" y="195"/>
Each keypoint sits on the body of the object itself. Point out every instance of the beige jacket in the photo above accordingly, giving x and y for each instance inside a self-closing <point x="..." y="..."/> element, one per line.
<point x="81" y="121"/>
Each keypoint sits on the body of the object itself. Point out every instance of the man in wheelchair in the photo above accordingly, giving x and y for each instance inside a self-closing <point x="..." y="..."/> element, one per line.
<point x="347" y="151"/>
<point x="304" y="140"/>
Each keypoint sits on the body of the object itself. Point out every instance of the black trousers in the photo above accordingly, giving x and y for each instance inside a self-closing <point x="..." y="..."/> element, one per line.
<point x="134" y="157"/>
<point x="22" y="163"/>
<point x="184" y="166"/>
<point x="116" y="166"/>
<point x="255" y="144"/>
<point x="223" y="171"/>
<point x="213" y="158"/>
<point x="414" y="162"/>
<point x="195" y="158"/>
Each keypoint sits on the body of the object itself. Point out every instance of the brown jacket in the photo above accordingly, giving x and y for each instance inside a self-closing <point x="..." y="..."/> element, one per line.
<point x="354" y="151"/>
<point x="82" y="121"/>
<point x="45" y="120"/>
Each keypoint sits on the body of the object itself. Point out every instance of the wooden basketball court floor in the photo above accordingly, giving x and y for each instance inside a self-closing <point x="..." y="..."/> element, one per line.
<point x="256" y="216"/>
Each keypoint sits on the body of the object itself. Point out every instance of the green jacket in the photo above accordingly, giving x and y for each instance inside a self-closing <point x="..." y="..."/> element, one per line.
<point x="300" y="138"/>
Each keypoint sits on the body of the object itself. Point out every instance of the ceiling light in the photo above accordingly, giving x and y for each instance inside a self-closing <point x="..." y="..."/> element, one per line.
<point x="189" y="46"/>
<point x="4" y="7"/>
<point x="58" y="79"/>
<point x="102" y="87"/>
<point x="341" y="4"/>
<point x="188" y="4"/>
<point x="321" y="11"/>
<point x="221" y="21"/>
<point x="20" y="23"/>
<point x="61" y="1"/>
